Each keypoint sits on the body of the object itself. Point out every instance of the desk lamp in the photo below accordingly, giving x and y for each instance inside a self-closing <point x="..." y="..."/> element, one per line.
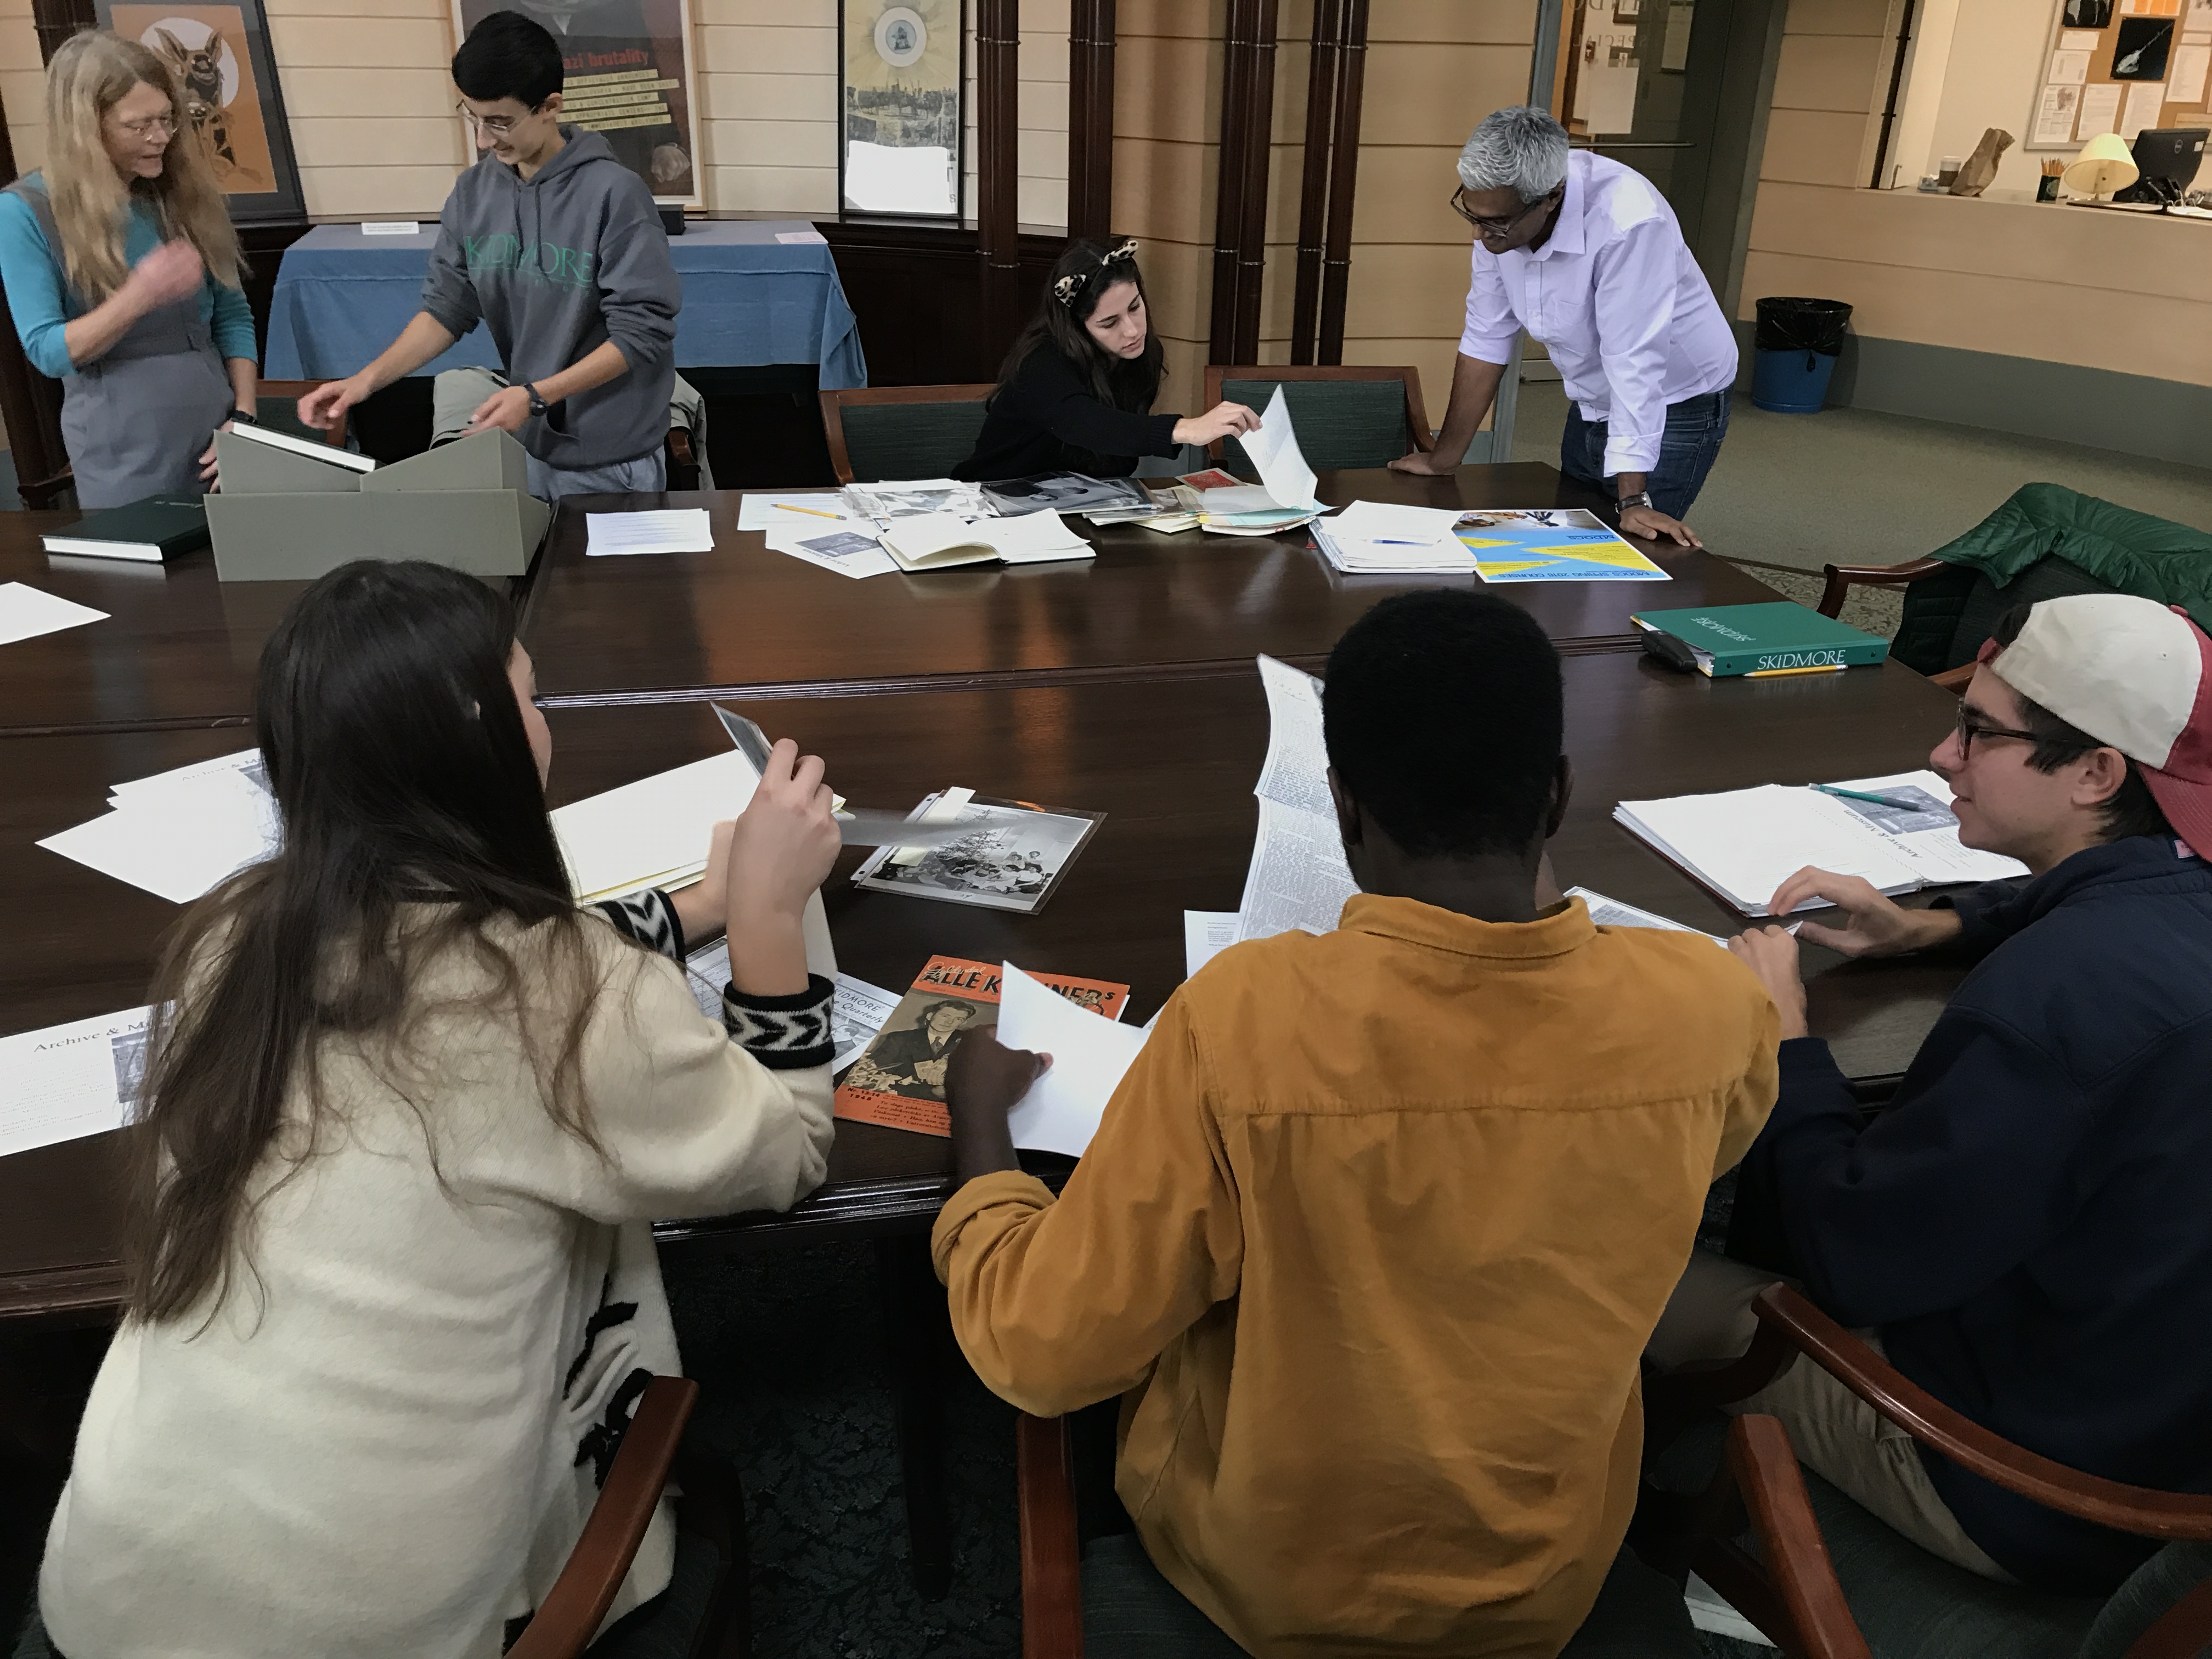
<point x="2104" y="166"/>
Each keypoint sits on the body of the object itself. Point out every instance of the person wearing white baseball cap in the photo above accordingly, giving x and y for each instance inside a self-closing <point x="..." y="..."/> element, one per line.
<point x="2024" y="1229"/>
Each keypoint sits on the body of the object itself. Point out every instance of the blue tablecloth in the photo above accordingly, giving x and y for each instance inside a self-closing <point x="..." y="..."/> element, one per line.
<point x="342" y="297"/>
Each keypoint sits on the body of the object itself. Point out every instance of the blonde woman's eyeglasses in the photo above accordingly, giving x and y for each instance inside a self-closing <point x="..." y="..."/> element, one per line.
<point x="163" y="124"/>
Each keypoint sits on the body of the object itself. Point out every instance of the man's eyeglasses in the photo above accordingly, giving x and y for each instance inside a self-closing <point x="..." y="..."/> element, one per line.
<point x="1493" y="227"/>
<point x="498" y="126"/>
<point x="145" y="128"/>
<point x="1970" y="728"/>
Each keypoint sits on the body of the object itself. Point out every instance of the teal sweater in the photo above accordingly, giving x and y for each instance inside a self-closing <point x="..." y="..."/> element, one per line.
<point x="44" y="304"/>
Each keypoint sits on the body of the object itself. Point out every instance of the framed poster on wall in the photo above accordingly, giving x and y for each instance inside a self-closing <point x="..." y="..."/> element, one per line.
<point x="233" y="112"/>
<point x="901" y="147"/>
<point x="627" y="68"/>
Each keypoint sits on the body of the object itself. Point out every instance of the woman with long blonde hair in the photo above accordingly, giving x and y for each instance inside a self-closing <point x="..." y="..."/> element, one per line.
<point x="122" y="272"/>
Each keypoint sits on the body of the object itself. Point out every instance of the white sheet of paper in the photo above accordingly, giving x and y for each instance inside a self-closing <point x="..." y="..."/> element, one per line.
<point x="68" y="1081"/>
<point x="243" y="761"/>
<point x="638" y="834"/>
<point x="1090" y="1053"/>
<point x="801" y="236"/>
<point x="1295" y="772"/>
<point x="1297" y="879"/>
<point x="2145" y="99"/>
<point x="1618" y="913"/>
<point x="2190" y="63"/>
<point x="797" y="510"/>
<point x="857" y="1009"/>
<point x="1205" y="935"/>
<point x="392" y="227"/>
<point x="1274" y="450"/>
<point x="26" y="611"/>
<point x="2069" y="69"/>
<point x="833" y="548"/>
<point x="664" y="529"/>
<point x="178" y="833"/>
<point x="2077" y="39"/>
<point x="2100" y="111"/>
<point x="1395" y="521"/>
<point x="2056" y="109"/>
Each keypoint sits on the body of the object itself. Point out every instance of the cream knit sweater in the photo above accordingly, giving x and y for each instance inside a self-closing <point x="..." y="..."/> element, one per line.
<point x="386" y="1440"/>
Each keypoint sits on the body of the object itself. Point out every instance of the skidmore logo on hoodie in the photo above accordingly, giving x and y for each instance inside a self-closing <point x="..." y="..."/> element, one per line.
<point x="537" y="262"/>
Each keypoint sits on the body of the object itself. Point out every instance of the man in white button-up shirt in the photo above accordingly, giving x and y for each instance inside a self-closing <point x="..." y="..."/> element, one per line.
<point x="1585" y="254"/>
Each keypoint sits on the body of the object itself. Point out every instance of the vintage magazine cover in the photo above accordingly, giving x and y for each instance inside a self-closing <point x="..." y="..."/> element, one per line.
<point x="899" y="1082"/>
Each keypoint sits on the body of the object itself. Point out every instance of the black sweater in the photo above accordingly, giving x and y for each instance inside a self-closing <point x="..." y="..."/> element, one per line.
<point x="1047" y="419"/>
<point x="2026" y="1225"/>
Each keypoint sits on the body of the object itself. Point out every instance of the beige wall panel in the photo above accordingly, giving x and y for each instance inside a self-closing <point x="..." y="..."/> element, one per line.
<point x="441" y="10"/>
<point x="1191" y="20"/>
<point x="1044" y="53"/>
<point x="399" y="141"/>
<point x="1166" y="88"/>
<point x="772" y="13"/>
<point x="770" y="144"/>
<point x="1404" y="196"/>
<point x="1827" y="72"/>
<point x="799" y="191"/>
<point x="1431" y="358"/>
<point x="1870" y="17"/>
<point x="1813" y="146"/>
<point x="1041" y="202"/>
<point x="1178" y="278"/>
<point x="1434" y="94"/>
<point x="1407" y="289"/>
<point x="752" y="49"/>
<point x="2092" y="253"/>
<point x="1163" y="190"/>
<point x="1039" y="155"/>
<point x="1184" y="388"/>
<point x="2164" y="338"/>
<point x="1043" y="103"/>
<point x="1043" y="17"/>
<point x="768" y="97"/>
<point x="339" y="92"/>
<point x="324" y="40"/>
<point x="1498" y="22"/>
<point x="359" y="192"/>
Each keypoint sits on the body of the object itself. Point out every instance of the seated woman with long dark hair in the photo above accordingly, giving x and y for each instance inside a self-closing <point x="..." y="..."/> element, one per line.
<point x="408" y="1112"/>
<point x="1075" y="394"/>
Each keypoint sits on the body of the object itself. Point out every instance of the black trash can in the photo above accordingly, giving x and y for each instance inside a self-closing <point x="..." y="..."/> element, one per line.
<point x="1795" y="345"/>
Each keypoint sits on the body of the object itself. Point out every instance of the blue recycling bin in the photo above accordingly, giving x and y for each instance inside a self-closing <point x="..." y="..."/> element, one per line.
<point x="1790" y="382"/>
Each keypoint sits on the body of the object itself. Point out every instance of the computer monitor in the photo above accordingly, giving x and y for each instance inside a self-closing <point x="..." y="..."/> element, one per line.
<point x="2166" y="160"/>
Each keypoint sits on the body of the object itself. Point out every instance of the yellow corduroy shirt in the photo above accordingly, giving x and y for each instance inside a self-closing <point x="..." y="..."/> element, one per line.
<point x="1370" y="1239"/>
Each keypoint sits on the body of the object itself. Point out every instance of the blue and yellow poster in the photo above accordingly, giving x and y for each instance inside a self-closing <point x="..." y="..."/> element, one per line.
<point x="1551" y="544"/>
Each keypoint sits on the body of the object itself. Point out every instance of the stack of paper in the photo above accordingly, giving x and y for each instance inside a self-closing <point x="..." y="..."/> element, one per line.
<point x="26" y="612"/>
<point x="670" y="529"/>
<point x="1284" y="498"/>
<point x="71" y="1080"/>
<point x="1745" y="843"/>
<point x="1385" y="538"/>
<point x="178" y="833"/>
<point x="1090" y="1055"/>
<point x="1297" y="877"/>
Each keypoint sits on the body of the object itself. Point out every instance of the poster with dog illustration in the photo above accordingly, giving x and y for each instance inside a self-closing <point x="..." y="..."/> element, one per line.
<point x="221" y="59"/>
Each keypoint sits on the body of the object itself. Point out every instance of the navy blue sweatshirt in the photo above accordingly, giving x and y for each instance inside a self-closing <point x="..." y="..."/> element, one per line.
<point x="2029" y="1225"/>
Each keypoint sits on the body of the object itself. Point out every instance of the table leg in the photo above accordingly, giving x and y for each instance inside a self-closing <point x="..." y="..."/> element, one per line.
<point x="918" y="1334"/>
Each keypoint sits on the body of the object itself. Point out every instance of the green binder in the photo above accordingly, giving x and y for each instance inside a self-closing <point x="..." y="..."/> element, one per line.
<point x="159" y="528"/>
<point x="1781" y="638"/>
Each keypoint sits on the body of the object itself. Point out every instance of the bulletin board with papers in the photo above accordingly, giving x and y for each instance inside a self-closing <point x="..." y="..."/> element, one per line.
<point x="2122" y="66"/>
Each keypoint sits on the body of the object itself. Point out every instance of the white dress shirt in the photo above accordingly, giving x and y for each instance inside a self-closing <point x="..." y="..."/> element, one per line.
<point x="1617" y="300"/>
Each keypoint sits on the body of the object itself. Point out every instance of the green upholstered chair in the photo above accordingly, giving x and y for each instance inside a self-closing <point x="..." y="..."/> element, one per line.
<point x="902" y="431"/>
<point x="2045" y="542"/>
<point x="1347" y="415"/>
<point x="1825" y="1579"/>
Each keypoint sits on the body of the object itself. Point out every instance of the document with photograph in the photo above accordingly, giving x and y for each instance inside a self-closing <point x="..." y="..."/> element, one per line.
<point x="68" y="1081"/>
<point x="1012" y="855"/>
<point x="899" y="1081"/>
<point x="1065" y="492"/>
<point x="910" y="498"/>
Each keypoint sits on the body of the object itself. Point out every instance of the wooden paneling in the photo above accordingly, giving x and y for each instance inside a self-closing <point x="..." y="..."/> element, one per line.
<point x="1840" y="16"/>
<point x="1814" y="147"/>
<point x="1828" y="71"/>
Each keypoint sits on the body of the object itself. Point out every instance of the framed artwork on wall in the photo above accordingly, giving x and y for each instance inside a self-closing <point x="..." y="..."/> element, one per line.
<point x="627" y="66"/>
<point x="901" y="144"/>
<point x="234" y="109"/>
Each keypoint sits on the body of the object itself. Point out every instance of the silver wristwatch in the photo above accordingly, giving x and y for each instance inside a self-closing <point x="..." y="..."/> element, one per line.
<point x="1641" y="498"/>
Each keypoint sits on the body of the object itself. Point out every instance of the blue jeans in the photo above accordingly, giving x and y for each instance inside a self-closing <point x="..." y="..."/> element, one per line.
<point x="1695" y="427"/>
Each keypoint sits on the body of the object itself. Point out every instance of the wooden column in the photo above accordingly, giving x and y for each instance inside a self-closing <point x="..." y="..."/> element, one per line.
<point x="1258" y="152"/>
<point x="31" y="403"/>
<point x="998" y="122"/>
<point x="1090" y="119"/>
<point x="1312" y="196"/>
<point x="1343" y="174"/>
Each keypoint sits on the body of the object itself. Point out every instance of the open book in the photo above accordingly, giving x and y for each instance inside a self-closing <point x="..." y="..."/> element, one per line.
<point x="330" y="454"/>
<point x="939" y="541"/>
<point x="1745" y="843"/>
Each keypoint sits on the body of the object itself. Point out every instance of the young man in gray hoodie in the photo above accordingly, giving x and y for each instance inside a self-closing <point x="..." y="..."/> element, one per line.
<point x="556" y="245"/>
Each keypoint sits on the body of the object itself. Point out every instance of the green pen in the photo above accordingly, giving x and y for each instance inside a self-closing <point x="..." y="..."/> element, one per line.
<point x="1860" y="795"/>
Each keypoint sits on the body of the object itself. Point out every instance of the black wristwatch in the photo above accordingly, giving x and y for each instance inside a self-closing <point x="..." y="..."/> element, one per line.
<point x="537" y="404"/>
<point x="244" y="415"/>
<point x="1641" y="498"/>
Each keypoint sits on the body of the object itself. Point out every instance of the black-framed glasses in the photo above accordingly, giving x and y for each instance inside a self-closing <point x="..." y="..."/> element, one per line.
<point x="498" y="126"/>
<point x="1970" y="728"/>
<point x="1489" y="227"/>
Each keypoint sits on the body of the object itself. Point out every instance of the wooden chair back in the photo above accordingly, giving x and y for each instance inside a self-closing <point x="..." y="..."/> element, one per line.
<point x="1347" y="415"/>
<point x="902" y="431"/>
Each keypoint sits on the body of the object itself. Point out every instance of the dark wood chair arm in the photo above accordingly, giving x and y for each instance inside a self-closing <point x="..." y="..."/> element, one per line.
<point x="579" y="1598"/>
<point x="1052" y="1564"/>
<point x="1797" y="1563"/>
<point x="2136" y="1509"/>
<point x="2183" y="1632"/>
<point x="1842" y="578"/>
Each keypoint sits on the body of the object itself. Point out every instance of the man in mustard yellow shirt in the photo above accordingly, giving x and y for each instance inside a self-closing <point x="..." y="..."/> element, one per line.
<point x="1376" y="1228"/>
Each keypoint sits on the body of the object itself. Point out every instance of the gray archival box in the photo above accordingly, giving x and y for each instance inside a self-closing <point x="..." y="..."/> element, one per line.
<point x="282" y="517"/>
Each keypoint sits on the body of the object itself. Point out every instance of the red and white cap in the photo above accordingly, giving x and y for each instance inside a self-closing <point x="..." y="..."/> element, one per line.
<point x="2132" y="673"/>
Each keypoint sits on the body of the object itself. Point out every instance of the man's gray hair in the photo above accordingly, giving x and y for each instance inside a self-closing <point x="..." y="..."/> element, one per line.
<point x="1522" y="148"/>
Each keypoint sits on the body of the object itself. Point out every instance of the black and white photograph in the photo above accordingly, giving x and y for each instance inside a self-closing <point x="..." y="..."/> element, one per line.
<point x="1012" y="858"/>
<point x="908" y="1055"/>
<point x="1063" y="492"/>
<point x="2089" y="14"/>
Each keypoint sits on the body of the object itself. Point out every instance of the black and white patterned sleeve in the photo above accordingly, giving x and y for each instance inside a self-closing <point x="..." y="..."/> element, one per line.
<point x="783" y="1033"/>
<point x="649" y="918"/>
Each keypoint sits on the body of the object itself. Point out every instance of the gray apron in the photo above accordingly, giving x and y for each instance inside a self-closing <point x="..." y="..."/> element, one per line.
<point x="136" y="420"/>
